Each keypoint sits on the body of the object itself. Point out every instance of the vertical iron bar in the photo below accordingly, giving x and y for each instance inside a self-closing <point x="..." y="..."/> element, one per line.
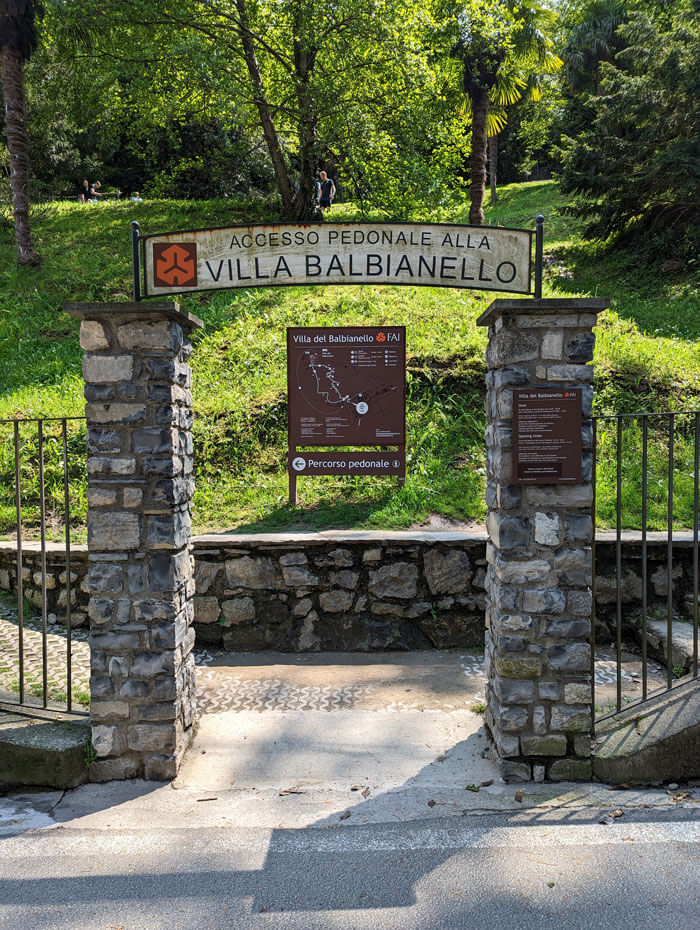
<point x="136" y="258"/>
<point x="669" y="557"/>
<point x="645" y="465"/>
<point x="594" y="447"/>
<point x="539" y="253"/>
<point x="618" y="560"/>
<point x="292" y="477"/>
<point x="696" y="478"/>
<point x="66" y="511"/>
<point x="20" y="593"/>
<point x="42" y="512"/>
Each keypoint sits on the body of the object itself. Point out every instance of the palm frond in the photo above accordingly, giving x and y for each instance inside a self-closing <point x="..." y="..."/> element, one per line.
<point x="508" y="88"/>
<point x="496" y="120"/>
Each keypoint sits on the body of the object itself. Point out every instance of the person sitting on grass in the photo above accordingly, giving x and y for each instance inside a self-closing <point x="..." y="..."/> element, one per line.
<point x="95" y="191"/>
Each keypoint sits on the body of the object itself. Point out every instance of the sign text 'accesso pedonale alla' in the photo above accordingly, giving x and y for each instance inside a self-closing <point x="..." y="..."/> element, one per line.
<point x="480" y="257"/>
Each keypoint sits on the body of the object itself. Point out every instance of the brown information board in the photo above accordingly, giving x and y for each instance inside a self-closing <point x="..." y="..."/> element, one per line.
<point x="547" y="436"/>
<point x="346" y="387"/>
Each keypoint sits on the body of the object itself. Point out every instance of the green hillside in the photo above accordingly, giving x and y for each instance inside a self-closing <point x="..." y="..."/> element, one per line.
<point x="647" y="357"/>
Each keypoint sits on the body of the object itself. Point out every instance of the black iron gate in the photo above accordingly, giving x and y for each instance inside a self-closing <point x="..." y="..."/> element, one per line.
<point x="42" y="495"/>
<point x="645" y="581"/>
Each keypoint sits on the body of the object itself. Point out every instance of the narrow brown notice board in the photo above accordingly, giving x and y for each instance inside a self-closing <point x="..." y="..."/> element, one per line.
<point x="346" y="387"/>
<point x="547" y="436"/>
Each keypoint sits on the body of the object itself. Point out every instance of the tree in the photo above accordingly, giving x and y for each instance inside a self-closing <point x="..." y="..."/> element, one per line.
<point x="139" y="109"/>
<point x="636" y="169"/>
<point x="521" y="85"/>
<point x="592" y="40"/>
<point x="335" y="80"/>
<point x="343" y="83"/>
<point x="502" y="48"/>
<point x="526" y="145"/>
<point x="589" y="39"/>
<point x="18" y="39"/>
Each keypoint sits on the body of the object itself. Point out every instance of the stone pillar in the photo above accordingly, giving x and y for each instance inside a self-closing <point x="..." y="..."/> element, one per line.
<point x="139" y="420"/>
<point x="538" y="661"/>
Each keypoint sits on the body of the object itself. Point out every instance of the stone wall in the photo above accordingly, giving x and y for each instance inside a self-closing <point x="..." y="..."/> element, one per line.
<point x="356" y="591"/>
<point x="56" y="578"/>
<point x="438" y="614"/>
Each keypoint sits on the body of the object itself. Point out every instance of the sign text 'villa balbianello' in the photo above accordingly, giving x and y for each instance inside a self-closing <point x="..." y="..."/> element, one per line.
<point x="480" y="257"/>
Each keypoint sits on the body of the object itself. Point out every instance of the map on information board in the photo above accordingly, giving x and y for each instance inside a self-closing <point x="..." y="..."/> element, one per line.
<point x="346" y="385"/>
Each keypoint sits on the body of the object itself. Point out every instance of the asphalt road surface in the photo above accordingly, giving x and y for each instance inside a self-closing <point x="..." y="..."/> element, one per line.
<point x="348" y="794"/>
<point x="529" y="869"/>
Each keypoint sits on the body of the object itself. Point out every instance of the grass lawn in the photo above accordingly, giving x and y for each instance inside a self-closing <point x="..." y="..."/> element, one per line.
<point x="647" y="357"/>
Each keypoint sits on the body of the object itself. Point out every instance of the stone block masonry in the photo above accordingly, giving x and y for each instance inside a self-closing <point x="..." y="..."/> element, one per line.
<point x="538" y="581"/>
<point x="340" y="590"/>
<point x="451" y="599"/>
<point x="140" y="567"/>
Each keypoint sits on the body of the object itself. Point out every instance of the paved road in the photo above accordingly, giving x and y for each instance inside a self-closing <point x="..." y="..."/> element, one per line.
<point x="342" y="795"/>
<point x="531" y="869"/>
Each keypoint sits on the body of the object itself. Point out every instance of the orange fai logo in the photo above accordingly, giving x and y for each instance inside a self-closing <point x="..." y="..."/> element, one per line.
<point x="175" y="264"/>
<point x="381" y="337"/>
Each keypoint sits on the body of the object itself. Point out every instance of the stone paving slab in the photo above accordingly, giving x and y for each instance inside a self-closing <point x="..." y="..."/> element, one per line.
<point x="56" y="658"/>
<point x="443" y="681"/>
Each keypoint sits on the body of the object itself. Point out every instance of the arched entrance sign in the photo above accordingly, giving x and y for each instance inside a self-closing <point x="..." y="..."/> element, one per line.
<point x="486" y="258"/>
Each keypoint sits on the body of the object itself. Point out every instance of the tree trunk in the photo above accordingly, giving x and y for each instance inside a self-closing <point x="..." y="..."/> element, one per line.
<point x="493" y="168"/>
<point x="304" y="60"/>
<point x="12" y="75"/>
<point x="306" y="195"/>
<point x="477" y="162"/>
<point x="284" y="184"/>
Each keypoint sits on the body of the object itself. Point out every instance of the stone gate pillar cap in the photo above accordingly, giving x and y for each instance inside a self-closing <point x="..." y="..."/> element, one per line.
<point x="539" y="307"/>
<point x="169" y="310"/>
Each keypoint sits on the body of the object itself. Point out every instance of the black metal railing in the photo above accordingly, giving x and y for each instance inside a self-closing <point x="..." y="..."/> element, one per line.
<point x="646" y="470"/>
<point x="42" y="492"/>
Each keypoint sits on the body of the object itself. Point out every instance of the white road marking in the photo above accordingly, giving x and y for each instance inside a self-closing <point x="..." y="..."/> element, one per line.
<point x="61" y="840"/>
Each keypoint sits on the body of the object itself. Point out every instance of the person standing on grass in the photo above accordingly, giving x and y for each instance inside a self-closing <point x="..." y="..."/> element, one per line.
<point x="327" y="192"/>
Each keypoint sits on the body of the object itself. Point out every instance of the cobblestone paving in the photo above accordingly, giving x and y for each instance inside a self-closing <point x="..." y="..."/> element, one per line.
<point x="56" y="648"/>
<point x="229" y="682"/>
<point x="217" y="693"/>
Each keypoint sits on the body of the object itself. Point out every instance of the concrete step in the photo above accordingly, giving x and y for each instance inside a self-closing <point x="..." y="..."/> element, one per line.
<point x="45" y="753"/>
<point x="657" y="640"/>
<point x="652" y="743"/>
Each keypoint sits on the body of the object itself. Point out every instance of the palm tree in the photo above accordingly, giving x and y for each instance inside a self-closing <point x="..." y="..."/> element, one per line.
<point x="592" y="40"/>
<point x="18" y="39"/>
<point x="502" y="54"/>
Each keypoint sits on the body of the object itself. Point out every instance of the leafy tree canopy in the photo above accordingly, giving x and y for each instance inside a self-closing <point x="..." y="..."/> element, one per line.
<point x="266" y="92"/>
<point x="636" y="169"/>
